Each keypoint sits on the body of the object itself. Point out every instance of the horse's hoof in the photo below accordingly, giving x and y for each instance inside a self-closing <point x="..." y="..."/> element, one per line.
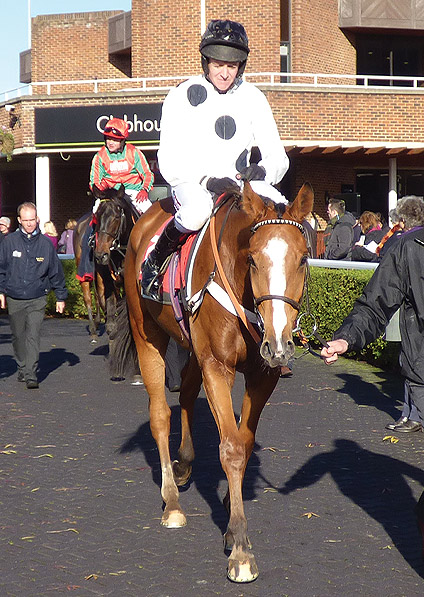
<point x="245" y="571"/>
<point x="174" y="520"/>
<point x="114" y="379"/>
<point x="181" y="475"/>
<point x="93" y="341"/>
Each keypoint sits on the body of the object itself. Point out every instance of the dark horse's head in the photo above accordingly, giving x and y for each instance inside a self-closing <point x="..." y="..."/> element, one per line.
<point x="114" y="220"/>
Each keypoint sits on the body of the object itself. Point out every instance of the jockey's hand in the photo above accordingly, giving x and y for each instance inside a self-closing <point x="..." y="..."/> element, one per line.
<point x="220" y="185"/>
<point x="252" y="172"/>
<point x="335" y="347"/>
<point x="142" y="196"/>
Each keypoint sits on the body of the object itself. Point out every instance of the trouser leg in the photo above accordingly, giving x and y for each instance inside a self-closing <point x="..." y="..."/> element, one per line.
<point x="416" y="395"/>
<point x="17" y="319"/>
<point x="86" y="264"/>
<point x="35" y="318"/>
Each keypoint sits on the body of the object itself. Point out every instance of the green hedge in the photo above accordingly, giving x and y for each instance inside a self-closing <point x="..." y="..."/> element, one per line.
<point x="332" y="293"/>
<point x="75" y="306"/>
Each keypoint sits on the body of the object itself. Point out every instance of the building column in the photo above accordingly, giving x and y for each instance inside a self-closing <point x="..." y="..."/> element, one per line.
<point x="42" y="187"/>
<point x="392" y="183"/>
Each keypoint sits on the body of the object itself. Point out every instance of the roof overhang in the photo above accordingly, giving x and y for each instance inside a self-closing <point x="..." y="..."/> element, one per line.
<point x="324" y="148"/>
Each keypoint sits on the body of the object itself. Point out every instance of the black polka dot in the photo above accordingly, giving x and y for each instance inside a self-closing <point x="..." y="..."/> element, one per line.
<point x="225" y="127"/>
<point x="196" y="94"/>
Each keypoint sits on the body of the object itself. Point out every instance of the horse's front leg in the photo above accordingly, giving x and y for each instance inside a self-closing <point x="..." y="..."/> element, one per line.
<point x="86" y="293"/>
<point x="234" y="450"/>
<point x="190" y="387"/>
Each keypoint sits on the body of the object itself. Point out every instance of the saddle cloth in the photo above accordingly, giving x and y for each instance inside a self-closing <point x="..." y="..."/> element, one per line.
<point x="184" y="254"/>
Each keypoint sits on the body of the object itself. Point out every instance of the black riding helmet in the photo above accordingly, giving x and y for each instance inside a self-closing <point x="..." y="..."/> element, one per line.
<point x="227" y="41"/>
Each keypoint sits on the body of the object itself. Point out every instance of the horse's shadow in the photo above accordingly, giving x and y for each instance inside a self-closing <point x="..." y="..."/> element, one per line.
<point x="207" y="473"/>
<point x="374" y="482"/>
<point x="54" y="359"/>
<point x="365" y="393"/>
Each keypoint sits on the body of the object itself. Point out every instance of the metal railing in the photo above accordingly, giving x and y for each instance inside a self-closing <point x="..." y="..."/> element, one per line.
<point x="278" y="80"/>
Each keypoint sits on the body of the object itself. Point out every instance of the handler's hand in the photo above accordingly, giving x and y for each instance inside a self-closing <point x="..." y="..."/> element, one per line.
<point x="335" y="347"/>
<point x="60" y="306"/>
<point x="2" y="301"/>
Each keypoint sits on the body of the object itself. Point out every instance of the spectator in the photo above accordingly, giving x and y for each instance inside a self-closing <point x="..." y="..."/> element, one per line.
<point x="51" y="233"/>
<point x="372" y="234"/>
<point x="4" y="227"/>
<point x="66" y="241"/>
<point x="340" y="231"/>
<point x="397" y="283"/>
<point x="29" y="268"/>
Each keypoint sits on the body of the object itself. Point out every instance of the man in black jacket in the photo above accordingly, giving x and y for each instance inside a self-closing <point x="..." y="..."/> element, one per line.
<point x="29" y="269"/>
<point x="398" y="282"/>
<point x="340" y="231"/>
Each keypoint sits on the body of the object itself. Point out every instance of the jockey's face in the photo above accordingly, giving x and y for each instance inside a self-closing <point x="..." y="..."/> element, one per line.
<point x="28" y="219"/>
<point x="222" y="74"/>
<point x="114" y="145"/>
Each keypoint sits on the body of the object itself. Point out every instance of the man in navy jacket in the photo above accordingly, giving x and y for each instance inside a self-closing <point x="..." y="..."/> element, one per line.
<point x="29" y="269"/>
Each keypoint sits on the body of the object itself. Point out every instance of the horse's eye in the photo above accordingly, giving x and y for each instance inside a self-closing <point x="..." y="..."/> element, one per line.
<point x="304" y="260"/>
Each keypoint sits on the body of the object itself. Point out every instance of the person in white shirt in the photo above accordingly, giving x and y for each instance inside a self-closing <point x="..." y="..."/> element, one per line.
<point x="209" y="125"/>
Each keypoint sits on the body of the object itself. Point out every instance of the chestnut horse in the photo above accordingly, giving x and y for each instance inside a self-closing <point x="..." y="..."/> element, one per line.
<point x="114" y="220"/>
<point x="263" y="254"/>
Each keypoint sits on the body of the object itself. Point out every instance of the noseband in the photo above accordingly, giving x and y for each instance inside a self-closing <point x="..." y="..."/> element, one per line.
<point x="270" y="297"/>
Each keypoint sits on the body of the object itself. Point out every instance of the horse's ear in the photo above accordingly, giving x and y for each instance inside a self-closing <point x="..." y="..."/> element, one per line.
<point x="303" y="203"/>
<point x="121" y="192"/>
<point x="251" y="203"/>
<point x="98" y="194"/>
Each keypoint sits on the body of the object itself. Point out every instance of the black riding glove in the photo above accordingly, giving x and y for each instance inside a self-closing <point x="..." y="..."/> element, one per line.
<point x="252" y="172"/>
<point x="220" y="185"/>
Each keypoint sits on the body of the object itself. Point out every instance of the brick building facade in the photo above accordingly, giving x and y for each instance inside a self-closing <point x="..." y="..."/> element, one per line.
<point x="341" y="134"/>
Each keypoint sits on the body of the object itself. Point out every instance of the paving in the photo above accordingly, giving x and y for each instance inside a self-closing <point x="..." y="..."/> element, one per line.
<point x="329" y="498"/>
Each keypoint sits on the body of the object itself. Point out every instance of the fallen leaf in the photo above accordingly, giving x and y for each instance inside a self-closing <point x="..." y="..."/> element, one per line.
<point x="270" y="490"/>
<point x="90" y="576"/>
<point x="44" y="456"/>
<point x="8" y="452"/>
<point x="64" y="531"/>
<point x="310" y="515"/>
<point x="392" y="438"/>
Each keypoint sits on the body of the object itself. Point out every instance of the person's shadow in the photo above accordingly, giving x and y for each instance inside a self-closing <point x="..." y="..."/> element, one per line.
<point x="207" y="473"/>
<point x="374" y="482"/>
<point x="365" y="393"/>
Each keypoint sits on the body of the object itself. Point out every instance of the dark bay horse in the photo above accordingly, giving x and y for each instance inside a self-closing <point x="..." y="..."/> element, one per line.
<point x="113" y="222"/>
<point x="263" y="258"/>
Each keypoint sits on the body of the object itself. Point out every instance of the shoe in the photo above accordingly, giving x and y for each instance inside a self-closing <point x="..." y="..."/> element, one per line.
<point x="32" y="384"/>
<point x="21" y="376"/>
<point x="286" y="372"/>
<point x="391" y="426"/>
<point x="408" y="427"/>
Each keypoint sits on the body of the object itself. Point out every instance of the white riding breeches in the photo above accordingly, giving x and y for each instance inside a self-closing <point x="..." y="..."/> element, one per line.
<point x="193" y="206"/>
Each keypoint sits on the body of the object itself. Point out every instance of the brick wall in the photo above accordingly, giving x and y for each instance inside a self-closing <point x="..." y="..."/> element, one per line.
<point x="317" y="44"/>
<point x="166" y="35"/>
<point x="71" y="47"/>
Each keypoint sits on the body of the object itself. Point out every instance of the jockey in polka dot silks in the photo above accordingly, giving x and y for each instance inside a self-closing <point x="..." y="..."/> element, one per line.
<point x="209" y="125"/>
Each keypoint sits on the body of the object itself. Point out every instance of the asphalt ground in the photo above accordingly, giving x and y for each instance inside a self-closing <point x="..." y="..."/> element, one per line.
<point x="329" y="501"/>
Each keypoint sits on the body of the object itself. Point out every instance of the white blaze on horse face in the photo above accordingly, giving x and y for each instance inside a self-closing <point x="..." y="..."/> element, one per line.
<point x="276" y="250"/>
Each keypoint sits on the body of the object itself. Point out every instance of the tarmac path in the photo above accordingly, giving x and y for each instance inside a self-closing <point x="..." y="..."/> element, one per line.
<point x="329" y="502"/>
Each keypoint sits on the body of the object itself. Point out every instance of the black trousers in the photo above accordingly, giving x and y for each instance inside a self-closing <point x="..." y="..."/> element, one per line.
<point x="26" y="317"/>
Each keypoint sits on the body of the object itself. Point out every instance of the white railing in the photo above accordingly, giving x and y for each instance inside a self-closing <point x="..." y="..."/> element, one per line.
<point x="286" y="80"/>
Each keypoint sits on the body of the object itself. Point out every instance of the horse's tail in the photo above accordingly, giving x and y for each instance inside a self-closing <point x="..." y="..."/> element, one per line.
<point x="123" y="360"/>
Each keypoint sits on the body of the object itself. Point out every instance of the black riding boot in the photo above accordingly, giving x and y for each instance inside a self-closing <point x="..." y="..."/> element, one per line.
<point x="167" y="243"/>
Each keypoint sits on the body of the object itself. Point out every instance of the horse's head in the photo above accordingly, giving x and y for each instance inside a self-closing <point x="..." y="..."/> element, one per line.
<point x="277" y="259"/>
<point x="111" y="222"/>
